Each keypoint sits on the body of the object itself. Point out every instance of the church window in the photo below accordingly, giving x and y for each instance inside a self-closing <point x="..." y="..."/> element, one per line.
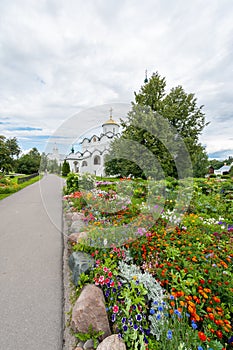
<point x="97" y="160"/>
<point x="94" y="139"/>
<point x="84" y="163"/>
<point x="114" y="130"/>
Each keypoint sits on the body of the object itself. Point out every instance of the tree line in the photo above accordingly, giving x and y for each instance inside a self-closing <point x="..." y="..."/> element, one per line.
<point x="30" y="163"/>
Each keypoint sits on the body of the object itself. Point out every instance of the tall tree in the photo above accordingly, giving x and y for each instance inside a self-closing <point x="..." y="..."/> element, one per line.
<point x="43" y="162"/>
<point x="173" y="130"/>
<point x="9" y="151"/>
<point x="65" y="168"/>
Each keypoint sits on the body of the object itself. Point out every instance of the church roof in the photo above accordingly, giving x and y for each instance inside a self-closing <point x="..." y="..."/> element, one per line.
<point x="110" y="120"/>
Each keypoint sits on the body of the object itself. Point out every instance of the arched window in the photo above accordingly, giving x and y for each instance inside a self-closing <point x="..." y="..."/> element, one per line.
<point x="84" y="163"/>
<point x="94" y="139"/>
<point x="97" y="160"/>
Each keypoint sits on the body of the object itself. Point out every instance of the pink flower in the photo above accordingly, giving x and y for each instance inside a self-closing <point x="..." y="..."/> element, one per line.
<point x="105" y="269"/>
<point x="115" y="309"/>
<point x="101" y="280"/>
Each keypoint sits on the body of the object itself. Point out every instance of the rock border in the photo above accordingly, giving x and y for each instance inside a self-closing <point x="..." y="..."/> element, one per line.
<point x="69" y="341"/>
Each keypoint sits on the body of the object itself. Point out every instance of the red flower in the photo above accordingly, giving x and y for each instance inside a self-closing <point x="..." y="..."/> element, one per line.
<point x="219" y="334"/>
<point x="202" y="336"/>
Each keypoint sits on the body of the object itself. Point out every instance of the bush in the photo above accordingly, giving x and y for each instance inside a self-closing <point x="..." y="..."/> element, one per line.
<point x="76" y="182"/>
<point x="226" y="176"/>
<point x="65" y="168"/>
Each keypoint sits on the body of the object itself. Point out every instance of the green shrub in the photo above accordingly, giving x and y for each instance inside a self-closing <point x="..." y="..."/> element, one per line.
<point x="79" y="182"/>
<point x="65" y="168"/>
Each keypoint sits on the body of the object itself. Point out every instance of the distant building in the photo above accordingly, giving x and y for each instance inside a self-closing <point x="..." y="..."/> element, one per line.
<point x="94" y="149"/>
<point x="224" y="170"/>
<point x="55" y="155"/>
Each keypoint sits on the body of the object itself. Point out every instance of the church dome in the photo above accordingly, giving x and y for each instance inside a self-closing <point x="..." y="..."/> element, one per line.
<point x="110" y="121"/>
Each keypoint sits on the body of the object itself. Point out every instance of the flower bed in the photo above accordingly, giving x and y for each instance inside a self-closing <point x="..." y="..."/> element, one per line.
<point x="166" y="286"/>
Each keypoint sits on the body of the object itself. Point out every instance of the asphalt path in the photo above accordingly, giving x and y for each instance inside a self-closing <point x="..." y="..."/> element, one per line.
<point x="31" y="287"/>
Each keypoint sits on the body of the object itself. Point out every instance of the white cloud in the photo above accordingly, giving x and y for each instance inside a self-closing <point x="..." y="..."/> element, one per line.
<point x="58" y="58"/>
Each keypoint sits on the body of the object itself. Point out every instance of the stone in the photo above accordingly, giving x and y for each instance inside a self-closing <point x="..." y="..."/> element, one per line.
<point x="113" y="342"/>
<point x="80" y="344"/>
<point x="69" y="216"/>
<point x="89" y="310"/>
<point x="89" y="344"/>
<point x="80" y="262"/>
<point x="78" y="348"/>
<point x="77" y="237"/>
<point x="76" y="226"/>
<point x="77" y="216"/>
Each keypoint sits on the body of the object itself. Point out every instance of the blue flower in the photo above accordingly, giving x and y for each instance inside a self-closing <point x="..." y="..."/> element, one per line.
<point x="176" y="312"/>
<point x="160" y="308"/>
<point x="194" y="325"/>
<point x="156" y="303"/>
<point x="152" y="311"/>
<point x="172" y="297"/>
<point x="169" y="334"/>
<point x="113" y="317"/>
<point x="199" y="348"/>
<point x="158" y="316"/>
<point x="125" y="328"/>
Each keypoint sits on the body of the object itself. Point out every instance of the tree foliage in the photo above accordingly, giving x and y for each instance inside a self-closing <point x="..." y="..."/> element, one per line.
<point x="29" y="163"/>
<point x="9" y="152"/>
<point x="65" y="168"/>
<point x="168" y="125"/>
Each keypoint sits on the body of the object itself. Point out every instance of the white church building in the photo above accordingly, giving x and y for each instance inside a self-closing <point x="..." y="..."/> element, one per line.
<point x="91" y="157"/>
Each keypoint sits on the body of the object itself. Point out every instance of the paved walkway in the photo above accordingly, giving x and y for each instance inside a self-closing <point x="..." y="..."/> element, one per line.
<point x="31" y="293"/>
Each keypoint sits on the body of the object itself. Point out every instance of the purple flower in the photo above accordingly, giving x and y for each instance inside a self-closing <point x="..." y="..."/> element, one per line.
<point x="135" y="327"/>
<point x="125" y="328"/>
<point x="139" y="317"/>
<point x="123" y="320"/>
<point x="230" y="340"/>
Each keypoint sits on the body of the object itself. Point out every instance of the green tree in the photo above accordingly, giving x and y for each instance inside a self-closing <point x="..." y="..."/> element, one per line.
<point x="43" y="162"/>
<point x="65" y="168"/>
<point x="29" y="163"/>
<point x="53" y="166"/>
<point x="9" y="151"/>
<point x="168" y="144"/>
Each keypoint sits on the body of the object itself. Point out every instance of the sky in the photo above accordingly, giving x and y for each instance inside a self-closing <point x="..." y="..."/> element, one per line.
<point x="62" y="58"/>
